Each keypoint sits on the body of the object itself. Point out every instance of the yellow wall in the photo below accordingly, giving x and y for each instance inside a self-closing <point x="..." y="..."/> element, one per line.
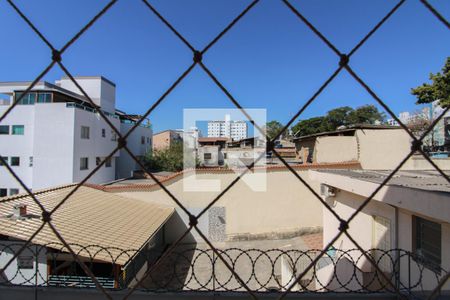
<point x="331" y="149"/>
<point x="382" y="149"/>
<point x="285" y="206"/>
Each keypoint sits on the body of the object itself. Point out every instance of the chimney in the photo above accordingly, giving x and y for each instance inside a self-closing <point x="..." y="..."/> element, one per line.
<point x="19" y="210"/>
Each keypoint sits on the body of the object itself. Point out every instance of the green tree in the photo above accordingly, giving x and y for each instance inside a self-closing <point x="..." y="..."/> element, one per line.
<point x="169" y="159"/>
<point x="438" y="90"/>
<point x="366" y="114"/>
<point x="273" y="128"/>
<point x="337" y="117"/>
<point x="309" y="126"/>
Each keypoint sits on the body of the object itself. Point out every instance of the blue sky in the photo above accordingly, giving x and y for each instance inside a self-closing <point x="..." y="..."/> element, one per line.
<point x="268" y="60"/>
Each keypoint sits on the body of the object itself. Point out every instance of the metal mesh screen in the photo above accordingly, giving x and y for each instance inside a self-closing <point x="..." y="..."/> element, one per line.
<point x="342" y="65"/>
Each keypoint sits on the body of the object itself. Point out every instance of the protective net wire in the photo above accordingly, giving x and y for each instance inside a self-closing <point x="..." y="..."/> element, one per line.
<point x="343" y="61"/>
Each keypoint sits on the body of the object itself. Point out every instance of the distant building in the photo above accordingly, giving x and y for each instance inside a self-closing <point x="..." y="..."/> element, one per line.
<point x="236" y="130"/>
<point x="164" y="139"/>
<point x="55" y="136"/>
<point x="373" y="146"/>
<point x="405" y="228"/>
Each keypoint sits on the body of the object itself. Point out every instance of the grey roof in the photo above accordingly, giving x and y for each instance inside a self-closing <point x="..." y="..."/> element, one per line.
<point x="427" y="180"/>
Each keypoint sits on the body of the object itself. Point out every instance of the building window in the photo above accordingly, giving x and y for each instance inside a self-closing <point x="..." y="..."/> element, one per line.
<point x="4" y="129"/>
<point x="44" y="98"/>
<point x="142" y="140"/>
<point x="28" y="99"/>
<point x="427" y="238"/>
<point x="3" y="192"/>
<point x="13" y="192"/>
<point x="207" y="155"/>
<point x="98" y="161"/>
<point x="103" y="132"/>
<point x="84" y="163"/>
<point x="15" y="161"/>
<point x="225" y="156"/>
<point x="108" y="163"/>
<point x="85" y="132"/>
<point x="5" y="158"/>
<point x="31" y="161"/>
<point x="18" y="129"/>
<point x="113" y="136"/>
<point x="148" y="140"/>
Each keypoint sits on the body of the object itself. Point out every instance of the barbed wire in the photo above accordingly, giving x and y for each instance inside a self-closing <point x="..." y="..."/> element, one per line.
<point x="192" y="268"/>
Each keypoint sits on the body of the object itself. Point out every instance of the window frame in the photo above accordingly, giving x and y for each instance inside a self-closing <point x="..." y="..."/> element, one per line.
<point x="426" y="259"/>
<point x="6" y="159"/>
<point x="13" y="127"/>
<point x="82" y="167"/>
<point x="5" y="192"/>
<point x="85" y="132"/>
<point x="4" y="126"/>
<point x="12" y="164"/>
<point x="108" y="163"/>
<point x="16" y="191"/>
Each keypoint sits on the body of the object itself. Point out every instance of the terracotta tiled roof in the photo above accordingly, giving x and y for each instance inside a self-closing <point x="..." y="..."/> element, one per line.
<point x="178" y="175"/>
<point x="88" y="217"/>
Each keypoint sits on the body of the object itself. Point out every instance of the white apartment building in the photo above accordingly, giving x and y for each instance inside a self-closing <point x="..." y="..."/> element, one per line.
<point x="54" y="136"/>
<point x="236" y="130"/>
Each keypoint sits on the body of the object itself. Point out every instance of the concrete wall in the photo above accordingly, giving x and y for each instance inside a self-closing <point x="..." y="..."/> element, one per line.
<point x="95" y="146"/>
<point x="329" y="149"/>
<point x="101" y="91"/>
<point x="125" y="163"/>
<point x="53" y="145"/>
<point x="216" y="156"/>
<point x="418" y="162"/>
<point x="361" y="229"/>
<point x="382" y="149"/>
<point x="17" y="145"/>
<point x="35" y="255"/>
<point x="373" y="148"/>
<point x="286" y="206"/>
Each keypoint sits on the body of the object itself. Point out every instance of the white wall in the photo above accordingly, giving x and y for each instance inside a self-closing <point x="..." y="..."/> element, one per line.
<point x="125" y="163"/>
<point x="95" y="146"/>
<point x="17" y="145"/>
<point x="53" y="145"/>
<point x="99" y="90"/>
<point x="23" y="276"/>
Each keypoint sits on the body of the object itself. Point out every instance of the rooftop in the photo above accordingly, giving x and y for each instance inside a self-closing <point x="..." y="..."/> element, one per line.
<point x="90" y="217"/>
<point x="348" y="130"/>
<point x="426" y="180"/>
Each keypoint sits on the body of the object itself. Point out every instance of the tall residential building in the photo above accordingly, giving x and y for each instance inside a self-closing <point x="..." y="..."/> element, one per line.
<point x="236" y="130"/>
<point x="55" y="136"/>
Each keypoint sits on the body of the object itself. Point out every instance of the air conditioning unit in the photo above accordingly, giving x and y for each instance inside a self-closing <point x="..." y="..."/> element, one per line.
<point x="327" y="191"/>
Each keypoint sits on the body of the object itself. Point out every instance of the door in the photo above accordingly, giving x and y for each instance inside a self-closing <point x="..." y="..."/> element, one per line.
<point x="382" y="242"/>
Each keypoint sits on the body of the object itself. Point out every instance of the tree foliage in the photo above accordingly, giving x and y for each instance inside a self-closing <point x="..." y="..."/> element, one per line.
<point x="437" y="90"/>
<point x="273" y="128"/>
<point x="169" y="159"/>
<point x="341" y="116"/>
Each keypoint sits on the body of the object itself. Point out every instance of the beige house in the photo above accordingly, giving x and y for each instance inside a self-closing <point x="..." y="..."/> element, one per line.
<point x="164" y="139"/>
<point x="410" y="213"/>
<point x="285" y="209"/>
<point x="374" y="146"/>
